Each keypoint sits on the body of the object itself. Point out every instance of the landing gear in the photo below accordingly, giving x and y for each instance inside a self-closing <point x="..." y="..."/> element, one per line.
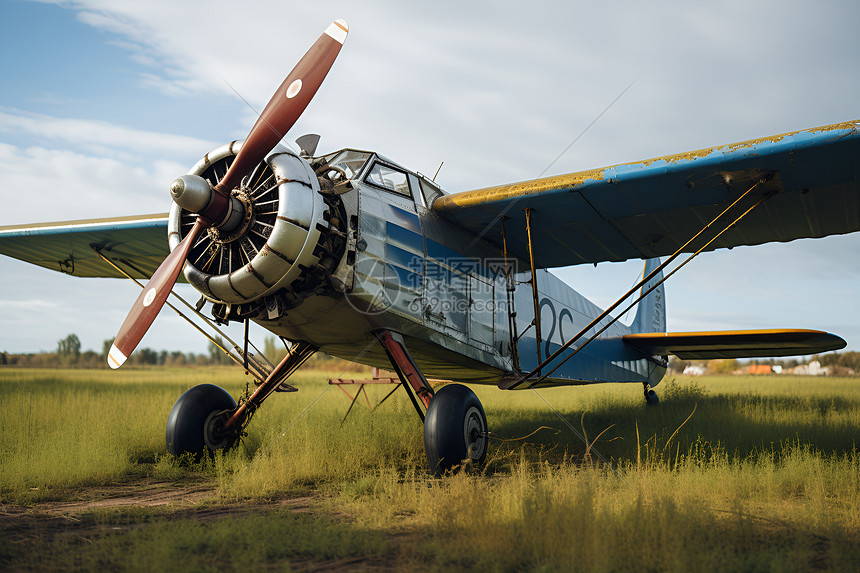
<point x="207" y="418"/>
<point x="651" y="397"/>
<point x="196" y="422"/>
<point x="455" y="429"/>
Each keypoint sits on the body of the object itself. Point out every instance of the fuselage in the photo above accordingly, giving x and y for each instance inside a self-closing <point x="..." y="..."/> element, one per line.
<point x="464" y="306"/>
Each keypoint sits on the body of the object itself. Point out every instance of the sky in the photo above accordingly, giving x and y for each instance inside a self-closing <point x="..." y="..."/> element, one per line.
<point x="103" y="103"/>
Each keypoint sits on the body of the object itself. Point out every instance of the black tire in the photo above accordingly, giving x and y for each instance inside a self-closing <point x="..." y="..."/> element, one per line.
<point x="455" y="429"/>
<point x="187" y="427"/>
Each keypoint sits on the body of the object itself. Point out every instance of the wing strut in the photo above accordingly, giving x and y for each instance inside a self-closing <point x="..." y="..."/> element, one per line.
<point x="512" y="384"/>
<point x="258" y="370"/>
<point x="511" y="288"/>
<point x="536" y="322"/>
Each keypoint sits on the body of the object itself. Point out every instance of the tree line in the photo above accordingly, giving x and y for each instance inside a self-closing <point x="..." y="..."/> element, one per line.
<point x="840" y="361"/>
<point x="69" y="355"/>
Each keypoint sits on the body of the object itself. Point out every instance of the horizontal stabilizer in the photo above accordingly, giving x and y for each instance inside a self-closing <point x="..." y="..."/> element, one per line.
<point x="735" y="343"/>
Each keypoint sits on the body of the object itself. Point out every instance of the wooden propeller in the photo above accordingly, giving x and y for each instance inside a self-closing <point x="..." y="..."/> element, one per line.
<point x="279" y="115"/>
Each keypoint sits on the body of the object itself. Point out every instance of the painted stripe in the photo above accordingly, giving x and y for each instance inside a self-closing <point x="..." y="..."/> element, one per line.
<point x="403" y="258"/>
<point x="338" y="30"/>
<point x="462" y="264"/>
<point x="406" y="219"/>
<point x="402" y="278"/>
<point x="115" y="357"/>
<point x="405" y="238"/>
<point x="668" y="336"/>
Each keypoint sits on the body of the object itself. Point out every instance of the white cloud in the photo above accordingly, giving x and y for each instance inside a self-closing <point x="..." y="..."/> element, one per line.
<point x="105" y="139"/>
<point x="40" y="184"/>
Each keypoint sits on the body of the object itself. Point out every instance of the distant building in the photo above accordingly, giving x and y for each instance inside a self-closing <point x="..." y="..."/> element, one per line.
<point x="693" y="370"/>
<point x="760" y="369"/>
<point x="812" y="369"/>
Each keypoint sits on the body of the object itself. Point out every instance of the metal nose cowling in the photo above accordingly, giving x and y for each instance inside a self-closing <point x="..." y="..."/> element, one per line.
<point x="279" y="115"/>
<point x="272" y="254"/>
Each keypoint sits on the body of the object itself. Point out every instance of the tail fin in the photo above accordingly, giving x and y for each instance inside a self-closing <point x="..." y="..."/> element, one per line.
<point x="651" y="313"/>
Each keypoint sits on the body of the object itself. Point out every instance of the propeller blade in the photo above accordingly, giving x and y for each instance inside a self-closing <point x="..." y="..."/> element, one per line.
<point x="288" y="103"/>
<point x="150" y="301"/>
<point x="282" y="111"/>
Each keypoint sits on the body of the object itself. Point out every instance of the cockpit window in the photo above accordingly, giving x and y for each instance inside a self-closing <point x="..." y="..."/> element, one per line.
<point x="389" y="178"/>
<point x="350" y="161"/>
<point x="430" y="191"/>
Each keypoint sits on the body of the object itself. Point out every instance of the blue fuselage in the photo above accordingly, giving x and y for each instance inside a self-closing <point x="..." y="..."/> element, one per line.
<point x="447" y="292"/>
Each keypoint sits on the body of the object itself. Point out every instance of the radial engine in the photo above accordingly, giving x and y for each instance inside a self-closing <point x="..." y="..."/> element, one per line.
<point x="283" y="238"/>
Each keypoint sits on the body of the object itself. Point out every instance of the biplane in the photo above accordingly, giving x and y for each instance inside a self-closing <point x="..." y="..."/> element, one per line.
<point x="354" y="255"/>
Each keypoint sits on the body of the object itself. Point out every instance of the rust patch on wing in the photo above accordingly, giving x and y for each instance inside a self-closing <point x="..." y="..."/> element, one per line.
<point x="502" y="192"/>
<point x="499" y="193"/>
<point x="691" y="155"/>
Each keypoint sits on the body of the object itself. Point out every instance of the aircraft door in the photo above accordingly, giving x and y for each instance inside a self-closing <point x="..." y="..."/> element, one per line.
<point x="447" y="273"/>
<point x="391" y="222"/>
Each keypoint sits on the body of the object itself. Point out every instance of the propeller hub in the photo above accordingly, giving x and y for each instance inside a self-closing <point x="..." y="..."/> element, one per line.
<point x="191" y="192"/>
<point x="195" y="195"/>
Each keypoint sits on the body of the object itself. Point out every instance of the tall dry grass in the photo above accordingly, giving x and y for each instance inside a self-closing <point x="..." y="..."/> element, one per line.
<point x="738" y="473"/>
<point x="63" y="428"/>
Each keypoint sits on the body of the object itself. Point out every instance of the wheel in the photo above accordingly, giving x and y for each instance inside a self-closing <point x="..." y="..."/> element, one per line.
<point x="651" y="398"/>
<point x="194" y="422"/>
<point x="455" y="429"/>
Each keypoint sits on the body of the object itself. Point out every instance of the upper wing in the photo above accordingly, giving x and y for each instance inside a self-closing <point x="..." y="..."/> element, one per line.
<point x="651" y="208"/>
<point x="70" y="247"/>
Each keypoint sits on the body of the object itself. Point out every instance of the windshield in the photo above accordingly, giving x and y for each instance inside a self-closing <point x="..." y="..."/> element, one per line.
<point x="389" y="178"/>
<point x="350" y="161"/>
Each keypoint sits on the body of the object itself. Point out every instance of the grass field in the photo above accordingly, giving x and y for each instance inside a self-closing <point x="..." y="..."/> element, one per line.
<point x="739" y="473"/>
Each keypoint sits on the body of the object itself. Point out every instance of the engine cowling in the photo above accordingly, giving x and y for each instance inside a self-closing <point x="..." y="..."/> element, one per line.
<point x="287" y="241"/>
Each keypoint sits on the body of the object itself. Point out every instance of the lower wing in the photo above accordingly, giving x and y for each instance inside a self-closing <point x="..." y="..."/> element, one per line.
<point x="138" y="243"/>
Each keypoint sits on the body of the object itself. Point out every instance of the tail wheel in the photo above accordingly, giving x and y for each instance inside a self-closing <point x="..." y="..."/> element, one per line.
<point x="455" y="429"/>
<point x="651" y="397"/>
<point x="195" y="424"/>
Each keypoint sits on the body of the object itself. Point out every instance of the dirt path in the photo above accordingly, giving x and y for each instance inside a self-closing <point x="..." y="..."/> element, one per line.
<point x="195" y="499"/>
